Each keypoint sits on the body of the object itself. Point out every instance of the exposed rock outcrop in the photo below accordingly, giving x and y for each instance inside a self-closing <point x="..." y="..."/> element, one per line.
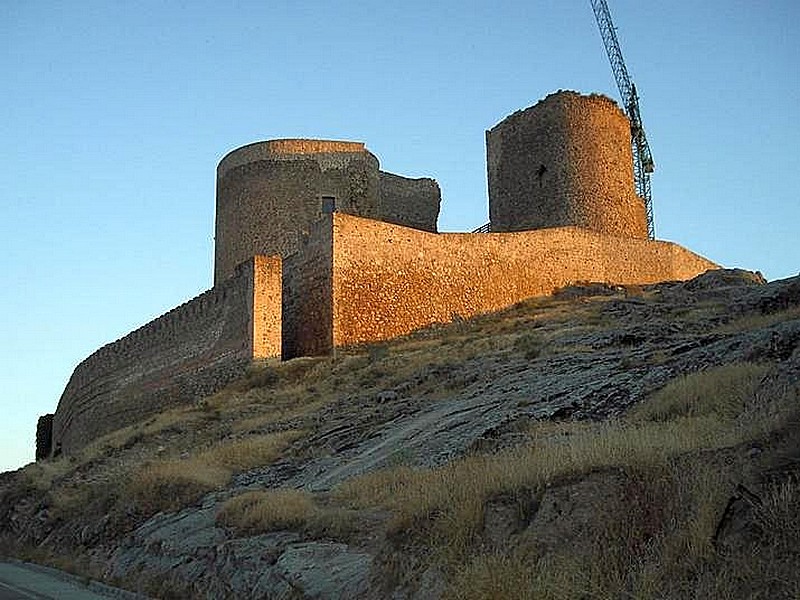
<point x="582" y="356"/>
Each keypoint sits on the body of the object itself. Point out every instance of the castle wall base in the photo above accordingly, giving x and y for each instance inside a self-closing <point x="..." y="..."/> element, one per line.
<point x="184" y="355"/>
<point x="382" y="280"/>
<point x="354" y="280"/>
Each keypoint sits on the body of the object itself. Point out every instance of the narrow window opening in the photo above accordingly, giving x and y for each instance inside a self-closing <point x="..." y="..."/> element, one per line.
<point x="328" y="204"/>
<point x="540" y="173"/>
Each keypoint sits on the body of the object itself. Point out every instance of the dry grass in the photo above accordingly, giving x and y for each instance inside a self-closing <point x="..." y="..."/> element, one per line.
<point x="500" y="576"/>
<point x="268" y="415"/>
<point x="676" y="560"/>
<point x="723" y="391"/>
<point x="704" y="412"/>
<point x="173" y="419"/>
<point x="452" y="497"/>
<point x="652" y="544"/>
<point x="751" y="322"/>
<point x="662" y="546"/>
<point x="42" y="475"/>
<point x="173" y="483"/>
<point x="249" y="452"/>
<point x="262" y="511"/>
<point x="267" y="510"/>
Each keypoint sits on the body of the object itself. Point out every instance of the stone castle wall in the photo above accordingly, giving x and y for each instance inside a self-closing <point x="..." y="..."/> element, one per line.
<point x="564" y="161"/>
<point x="354" y="280"/>
<point x="269" y="195"/>
<point x="307" y="298"/>
<point x="186" y="354"/>
<point x="410" y="202"/>
<point x="389" y="280"/>
<point x="561" y="191"/>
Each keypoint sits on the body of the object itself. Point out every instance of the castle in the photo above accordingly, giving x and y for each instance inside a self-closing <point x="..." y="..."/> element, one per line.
<point x="316" y="248"/>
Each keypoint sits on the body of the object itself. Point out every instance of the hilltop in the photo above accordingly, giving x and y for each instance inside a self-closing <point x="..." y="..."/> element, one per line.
<point x="604" y="442"/>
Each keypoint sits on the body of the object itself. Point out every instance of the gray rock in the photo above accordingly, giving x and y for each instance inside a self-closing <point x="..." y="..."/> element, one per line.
<point x="386" y="396"/>
<point x="325" y="570"/>
<point x="585" y="370"/>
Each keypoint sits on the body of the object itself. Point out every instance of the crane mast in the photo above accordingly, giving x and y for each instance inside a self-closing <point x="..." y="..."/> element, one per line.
<point x="642" y="158"/>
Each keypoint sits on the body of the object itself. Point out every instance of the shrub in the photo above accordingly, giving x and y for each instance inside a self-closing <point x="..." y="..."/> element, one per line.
<point x="529" y="345"/>
<point x="377" y="352"/>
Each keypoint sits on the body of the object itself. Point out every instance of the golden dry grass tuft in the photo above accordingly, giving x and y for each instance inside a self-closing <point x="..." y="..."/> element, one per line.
<point x="750" y="322"/>
<point x="249" y="452"/>
<point x="267" y="510"/>
<point x="723" y="391"/>
<point x="173" y="483"/>
<point x="262" y="511"/>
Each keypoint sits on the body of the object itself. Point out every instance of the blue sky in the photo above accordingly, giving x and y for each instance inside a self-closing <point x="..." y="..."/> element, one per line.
<point x="113" y="116"/>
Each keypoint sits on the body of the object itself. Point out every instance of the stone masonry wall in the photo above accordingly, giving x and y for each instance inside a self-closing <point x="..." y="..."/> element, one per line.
<point x="565" y="161"/>
<point x="389" y="280"/>
<point x="265" y="307"/>
<point x="270" y="193"/>
<point x="410" y="202"/>
<point x="307" y="296"/>
<point x="188" y="353"/>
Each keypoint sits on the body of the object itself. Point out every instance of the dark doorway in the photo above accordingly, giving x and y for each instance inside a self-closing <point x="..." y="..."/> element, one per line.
<point x="328" y="204"/>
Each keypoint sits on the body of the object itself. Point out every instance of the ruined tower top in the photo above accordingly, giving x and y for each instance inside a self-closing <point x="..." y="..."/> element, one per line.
<point x="564" y="161"/>
<point x="287" y="149"/>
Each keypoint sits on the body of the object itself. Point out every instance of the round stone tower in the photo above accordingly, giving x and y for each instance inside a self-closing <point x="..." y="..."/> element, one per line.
<point x="269" y="193"/>
<point x="564" y="161"/>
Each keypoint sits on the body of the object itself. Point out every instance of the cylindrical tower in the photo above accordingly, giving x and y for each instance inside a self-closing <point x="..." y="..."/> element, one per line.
<point x="269" y="193"/>
<point x="564" y="161"/>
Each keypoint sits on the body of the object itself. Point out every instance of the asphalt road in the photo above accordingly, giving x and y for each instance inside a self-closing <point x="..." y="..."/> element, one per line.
<point x="21" y="582"/>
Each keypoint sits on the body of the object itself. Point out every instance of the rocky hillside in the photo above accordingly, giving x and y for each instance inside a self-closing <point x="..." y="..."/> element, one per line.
<point x="603" y="443"/>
